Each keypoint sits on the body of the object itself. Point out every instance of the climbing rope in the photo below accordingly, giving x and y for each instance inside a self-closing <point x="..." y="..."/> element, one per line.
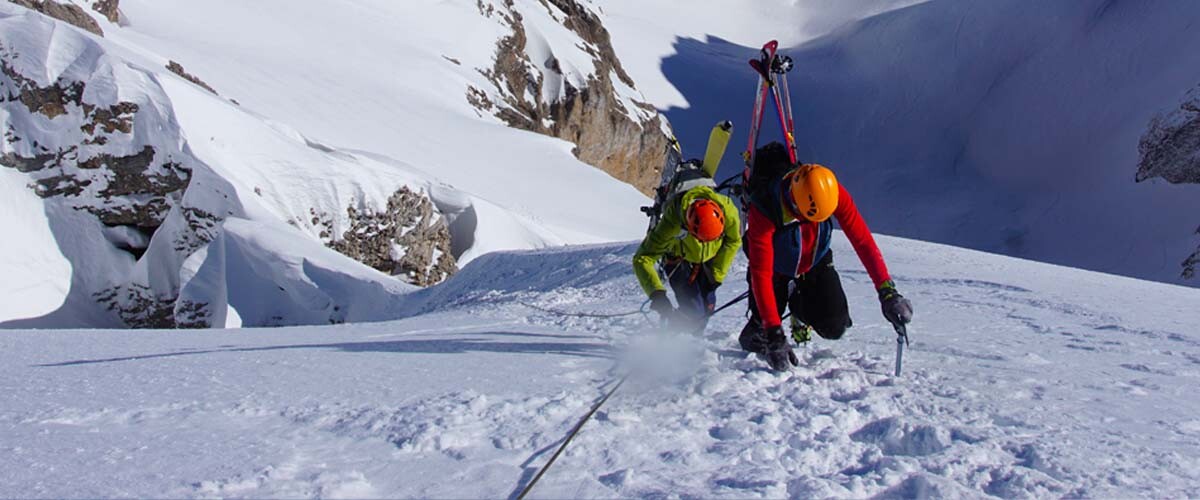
<point x="596" y="407"/>
<point x="586" y="314"/>
<point x="571" y="436"/>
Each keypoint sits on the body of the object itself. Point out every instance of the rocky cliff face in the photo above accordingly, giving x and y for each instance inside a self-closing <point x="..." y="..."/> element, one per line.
<point x="1170" y="150"/>
<point x="596" y="108"/>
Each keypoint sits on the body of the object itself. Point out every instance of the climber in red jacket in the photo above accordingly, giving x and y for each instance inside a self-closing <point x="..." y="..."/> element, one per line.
<point x="787" y="239"/>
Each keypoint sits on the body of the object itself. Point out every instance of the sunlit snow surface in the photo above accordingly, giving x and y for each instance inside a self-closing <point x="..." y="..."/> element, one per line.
<point x="1023" y="380"/>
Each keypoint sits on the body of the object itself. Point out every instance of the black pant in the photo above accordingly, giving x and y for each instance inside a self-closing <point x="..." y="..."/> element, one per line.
<point x="815" y="298"/>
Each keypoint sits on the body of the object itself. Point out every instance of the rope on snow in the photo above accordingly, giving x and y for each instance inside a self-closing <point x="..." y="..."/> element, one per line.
<point x="571" y="435"/>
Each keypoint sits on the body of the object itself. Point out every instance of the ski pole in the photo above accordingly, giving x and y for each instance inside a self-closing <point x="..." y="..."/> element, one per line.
<point x="901" y="341"/>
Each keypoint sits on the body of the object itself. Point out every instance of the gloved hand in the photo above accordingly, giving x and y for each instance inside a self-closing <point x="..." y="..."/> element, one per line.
<point x="660" y="304"/>
<point x="779" y="354"/>
<point x="897" y="309"/>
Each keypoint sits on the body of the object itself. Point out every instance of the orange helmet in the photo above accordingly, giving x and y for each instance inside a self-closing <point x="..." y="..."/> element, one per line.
<point x="705" y="220"/>
<point x="814" y="192"/>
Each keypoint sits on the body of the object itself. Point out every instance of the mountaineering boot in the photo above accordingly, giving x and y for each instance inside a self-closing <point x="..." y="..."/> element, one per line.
<point x="779" y="354"/>
<point x="753" y="338"/>
<point x="801" y="332"/>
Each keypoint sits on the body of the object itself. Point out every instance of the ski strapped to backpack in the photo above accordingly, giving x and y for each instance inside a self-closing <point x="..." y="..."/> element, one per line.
<point x="772" y="72"/>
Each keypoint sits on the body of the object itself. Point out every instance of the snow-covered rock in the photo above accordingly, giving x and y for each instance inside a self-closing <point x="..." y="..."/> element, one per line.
<point x="106" y="137"/>
<point x="97" y="135"/>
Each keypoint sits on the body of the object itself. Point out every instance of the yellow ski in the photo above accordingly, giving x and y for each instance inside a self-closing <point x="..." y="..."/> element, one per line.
<point x="717" y="140"/>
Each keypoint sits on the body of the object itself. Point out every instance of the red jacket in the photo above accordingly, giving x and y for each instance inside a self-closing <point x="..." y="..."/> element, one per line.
<point x="798" y="245"/>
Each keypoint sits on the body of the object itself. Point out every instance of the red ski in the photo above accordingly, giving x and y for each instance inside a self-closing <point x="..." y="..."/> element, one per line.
<point x="772" y="79"/>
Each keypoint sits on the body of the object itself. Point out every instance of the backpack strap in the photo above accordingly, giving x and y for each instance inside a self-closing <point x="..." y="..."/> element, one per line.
<point x="685" y="185"/>
<point x="763" y="196"/>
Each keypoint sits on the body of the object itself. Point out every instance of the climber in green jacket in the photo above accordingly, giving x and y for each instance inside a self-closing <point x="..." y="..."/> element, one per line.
<point x="696" y="240"/>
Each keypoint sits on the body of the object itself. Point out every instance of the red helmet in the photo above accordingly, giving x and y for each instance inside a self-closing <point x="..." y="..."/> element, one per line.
<point x="705" y="220"/>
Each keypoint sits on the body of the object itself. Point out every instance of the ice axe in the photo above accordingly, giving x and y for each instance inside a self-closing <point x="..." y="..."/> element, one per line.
<point x="901" y="341"/>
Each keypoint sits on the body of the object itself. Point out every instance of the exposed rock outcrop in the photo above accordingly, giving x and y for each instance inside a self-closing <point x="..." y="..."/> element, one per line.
<point x="110" y="9"/>
<point x="1170" y="150"/>
<point x="69" y="13"/>
<point x="626" y="143"/>
<point x="177" y="68"/>
<point x="408" y="239"/>
<point x="51" y="100"/>
<point x="1191" y="263"/>
<point x="139" y="306"/>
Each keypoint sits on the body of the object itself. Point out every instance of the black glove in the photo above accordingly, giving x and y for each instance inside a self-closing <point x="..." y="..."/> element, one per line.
<point x="897" y="309"/>
<point x="779" y="354"/>
<point x="660" y="304"/>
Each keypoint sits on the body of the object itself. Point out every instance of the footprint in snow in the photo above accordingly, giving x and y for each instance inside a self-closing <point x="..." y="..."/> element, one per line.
<point x="1142" y="368"/>
<point x="896" y="437"/>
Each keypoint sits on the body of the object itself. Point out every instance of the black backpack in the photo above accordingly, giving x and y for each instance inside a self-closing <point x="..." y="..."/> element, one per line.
<point x="771" y="163"/>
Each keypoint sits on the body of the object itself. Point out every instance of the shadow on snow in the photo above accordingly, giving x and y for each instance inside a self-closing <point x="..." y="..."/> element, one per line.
<point x="479" y="342"/>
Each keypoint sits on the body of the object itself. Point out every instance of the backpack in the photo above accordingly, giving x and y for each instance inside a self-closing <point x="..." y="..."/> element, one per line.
<point x="678" y="177"/>
<point x="771" y="163"/>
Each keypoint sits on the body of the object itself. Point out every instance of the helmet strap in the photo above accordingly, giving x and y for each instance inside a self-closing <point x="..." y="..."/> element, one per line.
<point x="789" y="203"/>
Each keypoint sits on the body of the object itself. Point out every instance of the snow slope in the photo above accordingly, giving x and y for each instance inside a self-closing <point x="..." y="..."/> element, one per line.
<point x="1010" y="128"/>
<point x="38" y="274"/>
<point x="1024" y="380"/>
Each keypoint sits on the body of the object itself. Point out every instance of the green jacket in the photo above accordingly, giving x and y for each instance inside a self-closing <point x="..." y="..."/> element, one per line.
<point x="670" y="239"/>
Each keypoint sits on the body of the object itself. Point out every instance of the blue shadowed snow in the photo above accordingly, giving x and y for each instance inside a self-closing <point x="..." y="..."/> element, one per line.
<point x="979" y="124"/>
